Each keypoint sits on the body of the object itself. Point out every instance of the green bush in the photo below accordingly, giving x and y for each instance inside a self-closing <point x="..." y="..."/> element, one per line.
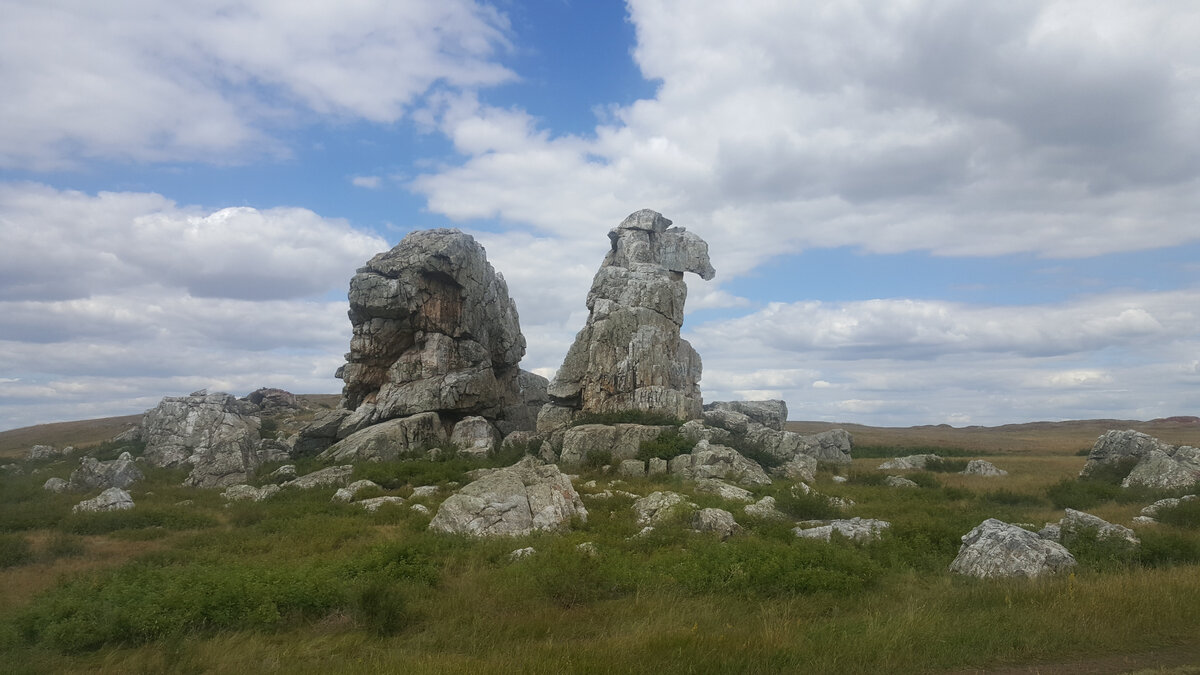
<point x="1010" y="498"/>
<point x="942" y="465"/>
<point x="1112" y="473"/>
<point x="568" y="577"/>
<point x="14" y="550"/>
<point x="1163" y="548"/>
<point x="596" y="459"/>
<point x="666" y="445"/>
<point x="381" y="606"/>
<point x="1100" y="553"/>
<point x="268" y="428"/>
<point x="810" y="506"/>
<point x="1185" y="514"/>
<point x="63" y="545"/>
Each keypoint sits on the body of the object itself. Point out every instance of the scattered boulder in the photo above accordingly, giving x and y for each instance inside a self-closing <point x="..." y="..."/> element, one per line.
<point x="580" y="441"/>
<point x="269" y="398"/>
<point x="285" y="472"/>
<point x="112" y="499"/>
<point x="858" y="529"/>
<point x="43" y="452"/>
<point x="771" y="413"/>
<point x="425" y="491"/>
<point x="909" y="463"/>
<point x="629" y="355"/>
<point x="980" y="467"/>
<point x="1152" y="510"/>
<point x="899" y="482"/>
<point x="389" y="440"/>
<point x="717" y="461"/>
<point x="800" y="467"/>
<point x="249" y="493"/>
<point x="715" y="521"/>
<point x="214" y="433"/>
<point x="525" y="497"/>
<point x="724" y="490"/>
<point x="995" y="549"/>
<point x="346" y="495"/>
<point x="521" y="553"/>
<point x="657" y="506"/>
<point x="765" y="509"/>
<point x="93" y="474"/>
<point x="56" y="485"/>
<point x="1114" y="446"/>
<point x="1076" y="522"/>
<point x="327" y="477"/>
<point x="434" y="331"/>
<point x="374" y="503"/>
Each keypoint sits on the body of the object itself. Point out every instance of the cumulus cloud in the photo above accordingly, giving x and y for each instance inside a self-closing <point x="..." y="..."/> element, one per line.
<point x="209" y="81"/>
<point x="1063" y="129"/>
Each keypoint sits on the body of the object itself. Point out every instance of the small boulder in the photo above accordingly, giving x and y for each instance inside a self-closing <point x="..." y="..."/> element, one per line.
<point x="718" y="461"/>
<point x="42" y="452"/>
<point x="112" y="499"/>
<point x="389" y="440"/>
<point x="858" y="529"/>
<point x="1075" y="522"/>
<point x="899" y="482"/>
<point x="425" y="491"/>
<point x="92" y="473"/>
<point x="249" y="493"/>
<point x="770" y="413"/>
<point x="523" y="498"/>
<point x="633" y="468"/>
<point x="800" y="467"/>
<point x="980" y="467"/>
<point x="585" y="439"/>
<point x="996" y="549"/>
<point x="374" y="503"/>
<point x="521" y="553"/>
<point x="657" y="506"/>
<point x="475" y="436"/>
<point x="56" y="485"/>
<point x="715" y="521"/>
<point x="724" y="490"/>
<point x="909" y="463"/>
<point x="328" y="477"/>
<point x="765" y="509"/>
<point x="346" y="495"/>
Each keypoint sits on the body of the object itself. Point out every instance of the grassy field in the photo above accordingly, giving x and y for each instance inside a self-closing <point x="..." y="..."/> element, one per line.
<point x="295" y="584"/>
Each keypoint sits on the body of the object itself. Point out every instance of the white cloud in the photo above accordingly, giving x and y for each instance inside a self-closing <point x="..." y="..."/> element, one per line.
<point x="369" y="182"/>
<point x="62" y="244"/>
<point x="212" y="82"/>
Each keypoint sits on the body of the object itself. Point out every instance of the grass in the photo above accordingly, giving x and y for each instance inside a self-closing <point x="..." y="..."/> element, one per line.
<point x="299" y="584"/>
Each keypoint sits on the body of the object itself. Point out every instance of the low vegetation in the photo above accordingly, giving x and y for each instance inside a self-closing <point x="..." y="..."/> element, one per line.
<point x="184" y="583"/>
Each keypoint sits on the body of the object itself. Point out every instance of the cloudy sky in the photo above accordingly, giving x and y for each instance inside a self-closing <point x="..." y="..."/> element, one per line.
<point x="920" y="212"/>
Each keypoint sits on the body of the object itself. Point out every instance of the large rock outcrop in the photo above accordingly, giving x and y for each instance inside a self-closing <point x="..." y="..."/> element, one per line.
<point x="629" y="355"/>
<point x="216" y="434"/>
<point x="1155" y="464"/>
<point x="435" y="331"/>
<point x="760" y="423"/>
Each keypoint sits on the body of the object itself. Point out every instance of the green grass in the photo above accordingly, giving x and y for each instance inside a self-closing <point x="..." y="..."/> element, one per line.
<point x="299" y="584"/>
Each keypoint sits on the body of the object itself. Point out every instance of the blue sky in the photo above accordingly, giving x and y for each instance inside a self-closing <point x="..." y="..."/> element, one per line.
<point x="920" y="213"/>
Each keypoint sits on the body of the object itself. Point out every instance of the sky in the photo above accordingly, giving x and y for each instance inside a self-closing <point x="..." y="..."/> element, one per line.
<point x="920" y="212"/>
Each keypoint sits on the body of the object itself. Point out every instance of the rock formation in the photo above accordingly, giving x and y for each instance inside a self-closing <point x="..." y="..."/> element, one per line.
<point x="996" y="549"/>
<point x="1155" y="464"/>
<point x="216" y="434"/>
<point x="629" y="355"/>
<point x="760" y="423"/>
<point x="518" y="500"/>
<point x="435" y="331"/>
<point x="1075" y="523"/>
<point x="112" y="499"/>
<point x="858" y="529"/>
<point x="93" y="474"/>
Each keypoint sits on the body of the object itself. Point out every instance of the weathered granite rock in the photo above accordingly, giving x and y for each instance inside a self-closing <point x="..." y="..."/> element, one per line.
<point x="632" y="468"/>
<point x="980" y="467"/>
<point x="720" y="488"/>
<point x="1166" y="471"/>
<point x="327" y="477"/>
<point x="346" y="495"/>
<point x="475" y="436"/>
<point x="1075" y="522"/>
<point x="578" y="442"/>
<point x="629" y="355"/>
<point x="215" y="433"/>
<point x="374" y="503"/>
<point x="1152" y="510"/>
<point x="657" y="506"/>
<point x="521" y="553"/>
<point x="717" y="461"/>
<point x="715" y="521"/>
<point x="899" y="482"/>
<point x="858" y="529"/>
<point x="800" y="467"/>
<point x="131" y="435"/>
<point x="389" y="440"/>
<point x="269" y="398"/>
<point x="112" y="499"/>
<point x="769" y="413"/>
<point x="696" y="431"/>
<point x="1114" y="446"/>
<point x="56" y="485"/>
<point x="995" y="549"/>
<point x="909" y="463"/>
<point x="285" y="472"/>
<point x="828" y="446"/>
<point x="43" y="452"/>
<point x="435" y="331"/>
<point x="249" y="493"/>
<point x="525" y="497"/>
<point x="321" y="433"/>
<point x="765" y="509"/>
<point x="92" y="474"/>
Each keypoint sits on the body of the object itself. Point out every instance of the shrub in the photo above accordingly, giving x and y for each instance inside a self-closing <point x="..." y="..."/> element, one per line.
<point x="1112" y="473"/>
<point x="1101" y="553"/>
<point x="1161" y="548"/>
<point x="269" y="428"/>
<point x="810" y="506"/>
<point x="668" y="444"/>
<point x="14" y="550"/>
<point x="1009" y="498"/>
<point x="597" y="458"/>
<point x="381" y="606"/>
<point x="569" y="577"/>
<point x="1185" y="514"/>
<point x="942" y="465"/>
<point x="109" y="450"/>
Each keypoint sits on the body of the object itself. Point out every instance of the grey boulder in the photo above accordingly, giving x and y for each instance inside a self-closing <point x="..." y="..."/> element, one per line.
<point x="523" y="498"/>
<point x="92" y="474"/>
<point x="112" y="499"/>
<point x="995" y="549"/>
